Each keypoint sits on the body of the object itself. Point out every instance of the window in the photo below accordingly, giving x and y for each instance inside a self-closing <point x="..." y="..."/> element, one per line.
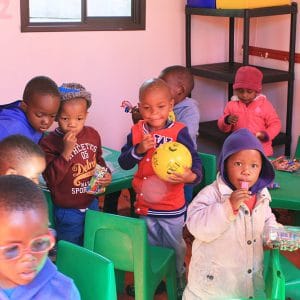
<point x="81" y="15"/>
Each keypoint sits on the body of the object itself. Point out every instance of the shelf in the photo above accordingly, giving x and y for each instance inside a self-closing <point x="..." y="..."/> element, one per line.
<point x="225" y="72"/>
<point x="209" y="130"/>
<point x="240" y="13"/>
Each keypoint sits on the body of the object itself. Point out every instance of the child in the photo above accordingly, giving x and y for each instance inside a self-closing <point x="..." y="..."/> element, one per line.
<point x="250" y="109"/>
<point x="160" y="203"/>
<point x="21" y="156"/>
<point x="227" y="219"/>
<point x="25" y="271"/>
<point x="72" y="152"/>
<point x="181" y="84"/>
<point x="33" y="115"/>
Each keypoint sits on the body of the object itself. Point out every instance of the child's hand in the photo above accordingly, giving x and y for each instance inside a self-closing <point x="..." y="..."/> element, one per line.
<point x="232" y="119"/>
<point x="105" y="180"/>
<point x="237" y="197"/>
<point x="188" y="176"/>
<point x="262" y="136"/>
<point x="146" y="144"/>
<point x="69" y="141"/>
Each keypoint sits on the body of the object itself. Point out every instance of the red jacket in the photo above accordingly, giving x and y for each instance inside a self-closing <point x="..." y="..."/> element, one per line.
<point x="259" y="115"/>
<point x="67" y="180"/>
<point x="151" y="191"/>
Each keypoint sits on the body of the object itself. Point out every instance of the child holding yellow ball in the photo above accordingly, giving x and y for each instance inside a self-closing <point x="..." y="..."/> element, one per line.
<point x="161" y="203"/>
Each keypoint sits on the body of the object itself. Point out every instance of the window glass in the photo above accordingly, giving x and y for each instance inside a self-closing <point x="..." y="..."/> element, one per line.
<point x="111" y="8"/>
<point x="80" y="15"/>
<point x="55" y="10"/>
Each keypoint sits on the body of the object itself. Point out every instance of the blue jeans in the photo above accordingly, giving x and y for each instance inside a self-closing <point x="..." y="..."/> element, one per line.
<point x="69" y="223"/>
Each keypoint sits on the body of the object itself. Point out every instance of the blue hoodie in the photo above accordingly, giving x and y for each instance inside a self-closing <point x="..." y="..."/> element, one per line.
<point x="243" y="139"/>
<point x="13" y="120"/>
<point x="48" y="284"/>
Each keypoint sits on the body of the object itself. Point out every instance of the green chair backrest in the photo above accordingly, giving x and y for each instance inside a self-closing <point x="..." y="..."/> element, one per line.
<point x="111" y="235"/>
<point x="209" y="164"/>
<point x="297" y="152"/>
<point x="292" y="278"/>
<point x="273" y="275"/>
<point x="124" y="241"/>
<point x="92" y="273"/>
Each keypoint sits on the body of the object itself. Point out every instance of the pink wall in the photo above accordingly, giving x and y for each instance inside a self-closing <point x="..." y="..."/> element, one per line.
<point x="112" y="65"/>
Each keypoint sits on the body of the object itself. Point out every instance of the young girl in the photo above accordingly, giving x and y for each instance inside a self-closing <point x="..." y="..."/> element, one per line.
<point x="251" y="109"/>
<point x="227" y="219"/>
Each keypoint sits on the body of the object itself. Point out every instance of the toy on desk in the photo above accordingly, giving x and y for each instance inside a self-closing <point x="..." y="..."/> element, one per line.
<point x="285" y="238"/>
<point x="93" y="187"/>
<point x="171" y="157"/>
<point x="282" y="163"/>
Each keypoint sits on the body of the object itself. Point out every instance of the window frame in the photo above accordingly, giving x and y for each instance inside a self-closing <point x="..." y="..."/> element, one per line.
<point x="136" y="21"/>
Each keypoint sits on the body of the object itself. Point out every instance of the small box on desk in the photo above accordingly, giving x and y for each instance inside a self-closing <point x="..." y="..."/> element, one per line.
<point x="202" y="3"/>
<point x="243" y="4"/>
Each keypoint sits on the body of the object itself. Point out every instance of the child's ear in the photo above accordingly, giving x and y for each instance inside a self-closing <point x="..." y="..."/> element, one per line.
<point x="180" y="90"/>
<point x="11" y="171"/>
<point x="172" y="103"/>
<point x="23" y="106"/>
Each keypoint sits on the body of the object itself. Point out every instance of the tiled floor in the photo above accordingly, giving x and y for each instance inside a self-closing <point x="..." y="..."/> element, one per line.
<point x="124" y="209"/>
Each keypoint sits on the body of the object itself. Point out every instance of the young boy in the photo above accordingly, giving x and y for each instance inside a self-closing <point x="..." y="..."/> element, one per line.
<point x="72" y="152"/>
<point x="181" y="84"/>
<point x="251" y="109"/>
<point x="21" y="156"/>
<point x="160" y="203"/>
<point x="33" y="115"/>
<point x="25" y="271"/>
<point x="227" y="219"/>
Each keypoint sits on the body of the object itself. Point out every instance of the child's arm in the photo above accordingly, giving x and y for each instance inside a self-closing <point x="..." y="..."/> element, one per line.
<point x="228" y="119"/>
<point x="272" y="121"/>
<point x="208" y="217"/>
<point x="194" y="174"/>
<point x="129" y="157"/>
<point x="56" y="165"/>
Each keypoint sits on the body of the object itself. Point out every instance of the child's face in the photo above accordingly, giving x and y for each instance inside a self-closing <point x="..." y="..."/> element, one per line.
<point x="20" y="228"/>
<point x="245" y="95"/>
<point x="242" y="166"/>
<point x="41" y="111"/>
<point x="31" y="168"/>
<point x="155" y="107"/>
<point x="72" y="115"/>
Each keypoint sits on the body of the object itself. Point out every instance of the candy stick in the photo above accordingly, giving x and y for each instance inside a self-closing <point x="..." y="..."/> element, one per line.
<point x="244" y="185"/>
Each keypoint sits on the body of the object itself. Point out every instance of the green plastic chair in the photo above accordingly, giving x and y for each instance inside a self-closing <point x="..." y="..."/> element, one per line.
<point x="297" y="152"/>
<point x="124" y="241"/>
<point x="292" y="278"/>
<point x="92" y="273"/>
<point x="273" y="275"/>
<point x="209" y="164"/>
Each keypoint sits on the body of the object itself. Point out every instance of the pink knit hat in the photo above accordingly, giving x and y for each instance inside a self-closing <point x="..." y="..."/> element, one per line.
<point x="248" y="77"/>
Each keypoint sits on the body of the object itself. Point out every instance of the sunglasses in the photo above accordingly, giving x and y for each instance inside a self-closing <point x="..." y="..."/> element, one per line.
<point x="37" y="245"/>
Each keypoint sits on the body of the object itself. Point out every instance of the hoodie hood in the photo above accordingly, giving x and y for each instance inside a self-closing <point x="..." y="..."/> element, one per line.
<point x="13" y="120"/>
<point x="243" y="139"/>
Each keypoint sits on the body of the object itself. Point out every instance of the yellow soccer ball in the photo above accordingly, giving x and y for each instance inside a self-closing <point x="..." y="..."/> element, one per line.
<point x="171" y="157"/>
